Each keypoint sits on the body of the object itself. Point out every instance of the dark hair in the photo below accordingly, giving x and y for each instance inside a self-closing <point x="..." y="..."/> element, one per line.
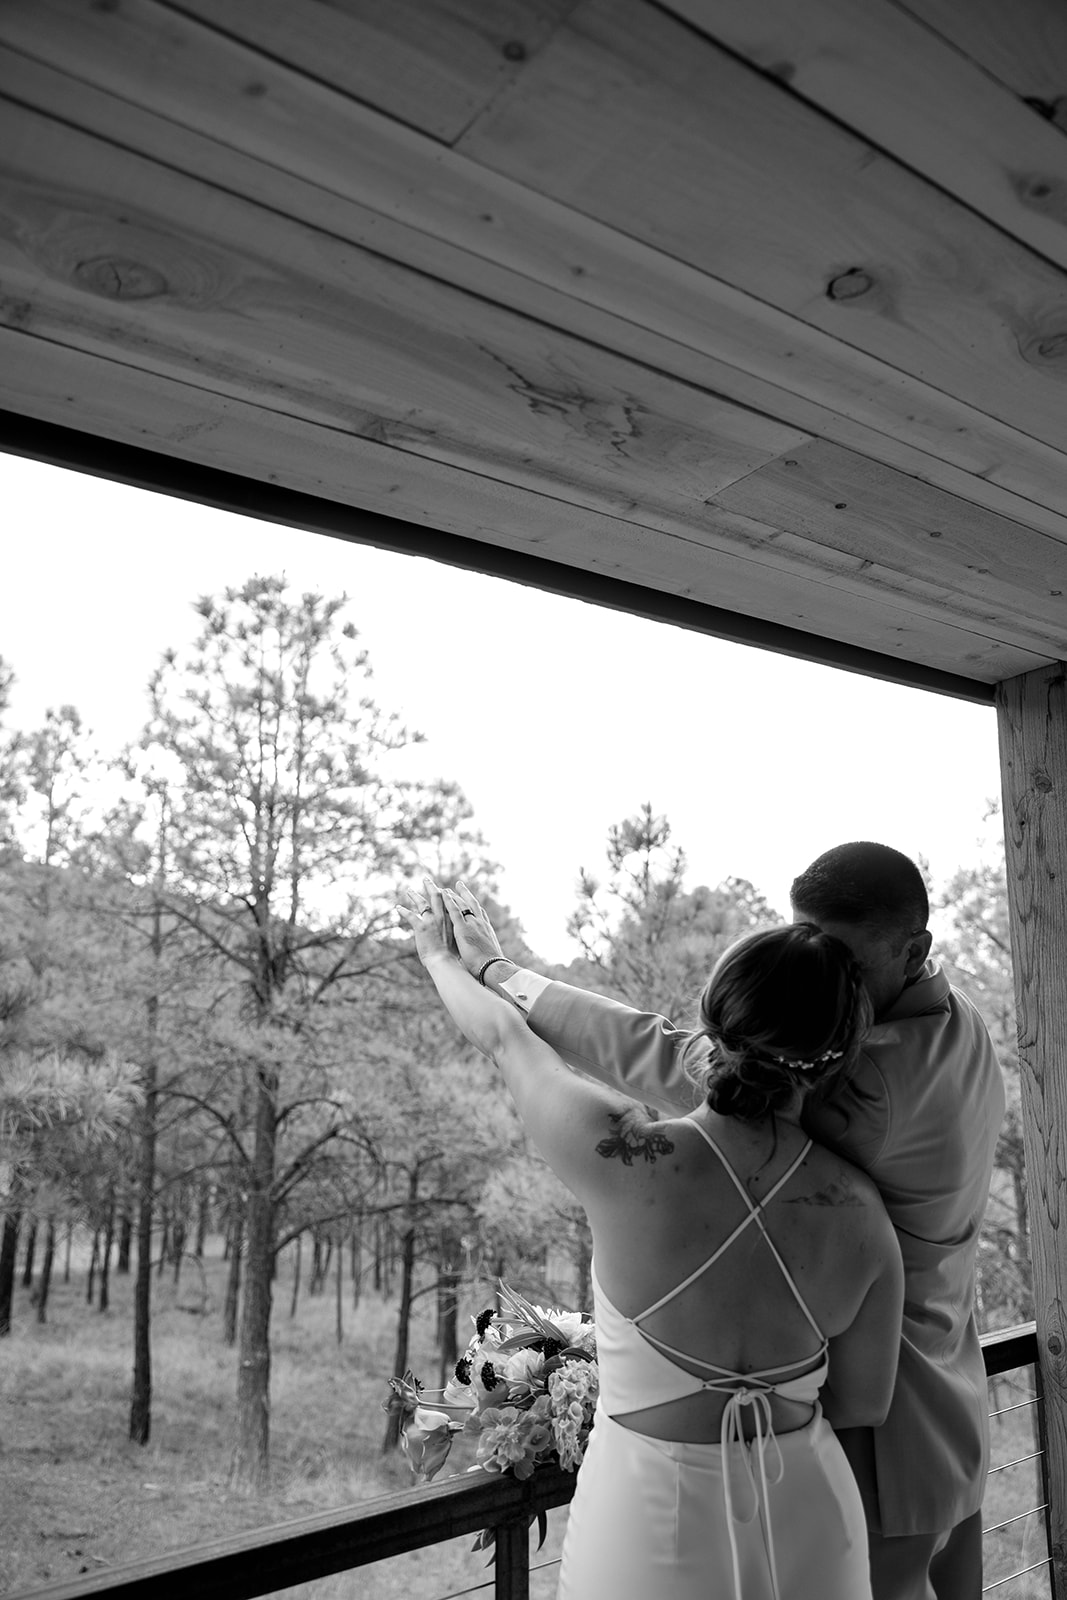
<point x="783" y="1008"/>
<point x="864" y="883"/>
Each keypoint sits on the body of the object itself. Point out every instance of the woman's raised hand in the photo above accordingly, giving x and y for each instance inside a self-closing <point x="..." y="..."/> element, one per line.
<point x="430" y="921"/>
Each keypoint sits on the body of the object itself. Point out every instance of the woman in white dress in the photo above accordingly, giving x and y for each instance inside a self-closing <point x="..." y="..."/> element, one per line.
<point x="747" y="1283"/>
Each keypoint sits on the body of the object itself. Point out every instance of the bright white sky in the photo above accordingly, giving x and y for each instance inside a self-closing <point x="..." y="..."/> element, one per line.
<point x="556" y="717"/>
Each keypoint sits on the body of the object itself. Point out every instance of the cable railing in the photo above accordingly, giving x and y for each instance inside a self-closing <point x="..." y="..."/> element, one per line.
<point x="1015" y="1509"/>
<point x="268" y="1560"/>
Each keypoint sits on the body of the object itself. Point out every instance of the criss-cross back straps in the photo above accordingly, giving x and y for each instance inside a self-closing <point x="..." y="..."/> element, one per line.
<point x="754" y="1216"/>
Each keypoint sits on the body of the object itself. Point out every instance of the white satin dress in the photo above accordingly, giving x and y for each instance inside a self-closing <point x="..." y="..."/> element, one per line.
<point x="776" y="1517"/>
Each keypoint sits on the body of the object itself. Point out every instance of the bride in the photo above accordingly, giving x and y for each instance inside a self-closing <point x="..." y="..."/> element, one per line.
<point x="747" y="1283"/>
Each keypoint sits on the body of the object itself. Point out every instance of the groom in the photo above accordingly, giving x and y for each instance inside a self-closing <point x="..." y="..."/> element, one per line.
<point x="920" y="1113"/>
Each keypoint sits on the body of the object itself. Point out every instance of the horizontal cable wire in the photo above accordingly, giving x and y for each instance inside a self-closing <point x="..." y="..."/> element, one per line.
<point x="1020" y="1574"/>
<point x="1016" y="1407"/>
<point x="458" y="1594"/>
<point x="1004" y="1465"/>
<point x="1008" y="1520"/>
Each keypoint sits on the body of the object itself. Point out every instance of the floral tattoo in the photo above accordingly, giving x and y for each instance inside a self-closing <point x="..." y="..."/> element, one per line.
<point x="633" y="1137"/>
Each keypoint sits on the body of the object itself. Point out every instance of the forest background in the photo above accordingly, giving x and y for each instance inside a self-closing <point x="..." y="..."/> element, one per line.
<point x="227" y="1097"/>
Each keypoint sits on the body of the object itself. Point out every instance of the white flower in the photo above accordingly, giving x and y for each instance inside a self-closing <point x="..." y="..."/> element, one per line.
<point x="426" y="1441"/>
<point x="524" y="1374"/>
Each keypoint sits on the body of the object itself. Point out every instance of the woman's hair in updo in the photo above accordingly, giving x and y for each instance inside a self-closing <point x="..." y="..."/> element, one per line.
<point x="783" y="1008"/>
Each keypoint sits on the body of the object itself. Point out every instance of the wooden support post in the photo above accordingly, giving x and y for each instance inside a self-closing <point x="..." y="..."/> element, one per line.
<point x="1032" y="713"/>
<point x="512" y="1562"/>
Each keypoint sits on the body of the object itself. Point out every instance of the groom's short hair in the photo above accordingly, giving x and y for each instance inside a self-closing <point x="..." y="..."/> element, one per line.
<point x="863" y="882"/>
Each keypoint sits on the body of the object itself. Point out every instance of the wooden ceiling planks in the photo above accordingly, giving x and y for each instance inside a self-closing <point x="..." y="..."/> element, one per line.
<point x="166" y="272"/>
<point x="628" y="116"/>
<point x="433" y="67"/>
<point x="718" y="336"/>
<point x="210" y="224"/>
<point x="997" y="571"/>
<point x="893" y="80"/>
<point x="1022" y="45"/>
<point x="828" y="600"/>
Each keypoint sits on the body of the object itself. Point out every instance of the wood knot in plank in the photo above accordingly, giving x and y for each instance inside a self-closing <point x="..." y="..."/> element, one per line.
<point x="850" y="285"/>
<point x="14" y="313"/>
<point x="1039" y="348"/>
<point x="1040" y="192"/>
<point x="119" y="278"/>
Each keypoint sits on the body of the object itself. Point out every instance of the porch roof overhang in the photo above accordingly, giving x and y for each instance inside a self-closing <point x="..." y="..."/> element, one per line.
<point x="750" y="316"/>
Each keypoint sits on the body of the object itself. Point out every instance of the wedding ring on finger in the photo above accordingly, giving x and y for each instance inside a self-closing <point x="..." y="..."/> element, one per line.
<point x="468" y="913"/>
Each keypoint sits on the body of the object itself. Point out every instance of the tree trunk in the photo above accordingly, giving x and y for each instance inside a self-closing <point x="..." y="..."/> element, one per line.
<point x="105" y="1258"/>
<point x="448" y="1281"/>
<point x="235" y="1236"/>
<point x="67" y="1242"/>
<point x="317" y="1269"/>
<point x="141" y="1392"/>
<point x="178" y="1247"/>
<point x="583" y="1255"/>
<point x="122" y="1261"/>
<point x="45" y="1283"/>
<point x="203" y="1218"/>
<point x="403" y="1320"/>
<point x="296" y="1276"/>
<point x="250" y="1465"/>
<point x="340" y="1306"/>
<point x="9" y="1239"/>
<point x="94" y="1261"/>
<point x="31" y="1250"/>
<point x="164" y="1243"/>
<point x="355" y="1252"/>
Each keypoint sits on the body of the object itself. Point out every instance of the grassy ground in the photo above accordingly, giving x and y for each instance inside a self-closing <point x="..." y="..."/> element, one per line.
<point x="76" y="1496"/>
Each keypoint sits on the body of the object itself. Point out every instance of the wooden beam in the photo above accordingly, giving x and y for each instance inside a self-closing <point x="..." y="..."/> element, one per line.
<point x="269" y="502"/>
<point x="759" y="576"/>
<point x="1032" y="715"/>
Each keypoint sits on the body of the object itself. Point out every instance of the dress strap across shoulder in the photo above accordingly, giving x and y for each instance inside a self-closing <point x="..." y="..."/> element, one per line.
<point x="754" y="1215"/>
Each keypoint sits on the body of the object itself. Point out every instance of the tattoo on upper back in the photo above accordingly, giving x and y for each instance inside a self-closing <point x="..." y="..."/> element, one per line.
<point x="633" y="1136"/>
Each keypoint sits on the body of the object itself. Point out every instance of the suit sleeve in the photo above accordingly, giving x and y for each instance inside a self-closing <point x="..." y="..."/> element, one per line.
<point x="634" y="1051"/>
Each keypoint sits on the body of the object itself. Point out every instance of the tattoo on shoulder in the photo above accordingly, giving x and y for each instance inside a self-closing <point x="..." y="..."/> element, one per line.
<point x="634" y="1136"/>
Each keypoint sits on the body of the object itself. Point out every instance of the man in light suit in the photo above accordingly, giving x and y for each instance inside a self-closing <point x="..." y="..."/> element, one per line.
<point x="920" y="1113"/>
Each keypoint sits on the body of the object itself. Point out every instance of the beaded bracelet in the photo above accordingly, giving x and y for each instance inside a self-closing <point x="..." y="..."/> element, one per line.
<point x="484" y="968"/>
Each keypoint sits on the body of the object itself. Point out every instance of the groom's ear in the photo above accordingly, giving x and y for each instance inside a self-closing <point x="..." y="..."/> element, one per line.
<point x="918" y="949"/>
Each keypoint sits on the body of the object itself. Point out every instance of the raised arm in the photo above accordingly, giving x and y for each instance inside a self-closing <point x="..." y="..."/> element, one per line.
<point x="565" y="1116"/>
<point x="636" y="1052"/>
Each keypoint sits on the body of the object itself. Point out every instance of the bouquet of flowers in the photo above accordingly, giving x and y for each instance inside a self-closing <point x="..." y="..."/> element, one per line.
<point x="526" y="1385"/>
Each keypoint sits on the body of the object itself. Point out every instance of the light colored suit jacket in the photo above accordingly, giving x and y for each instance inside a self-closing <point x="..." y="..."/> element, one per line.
<point x="921" y="1114"/>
